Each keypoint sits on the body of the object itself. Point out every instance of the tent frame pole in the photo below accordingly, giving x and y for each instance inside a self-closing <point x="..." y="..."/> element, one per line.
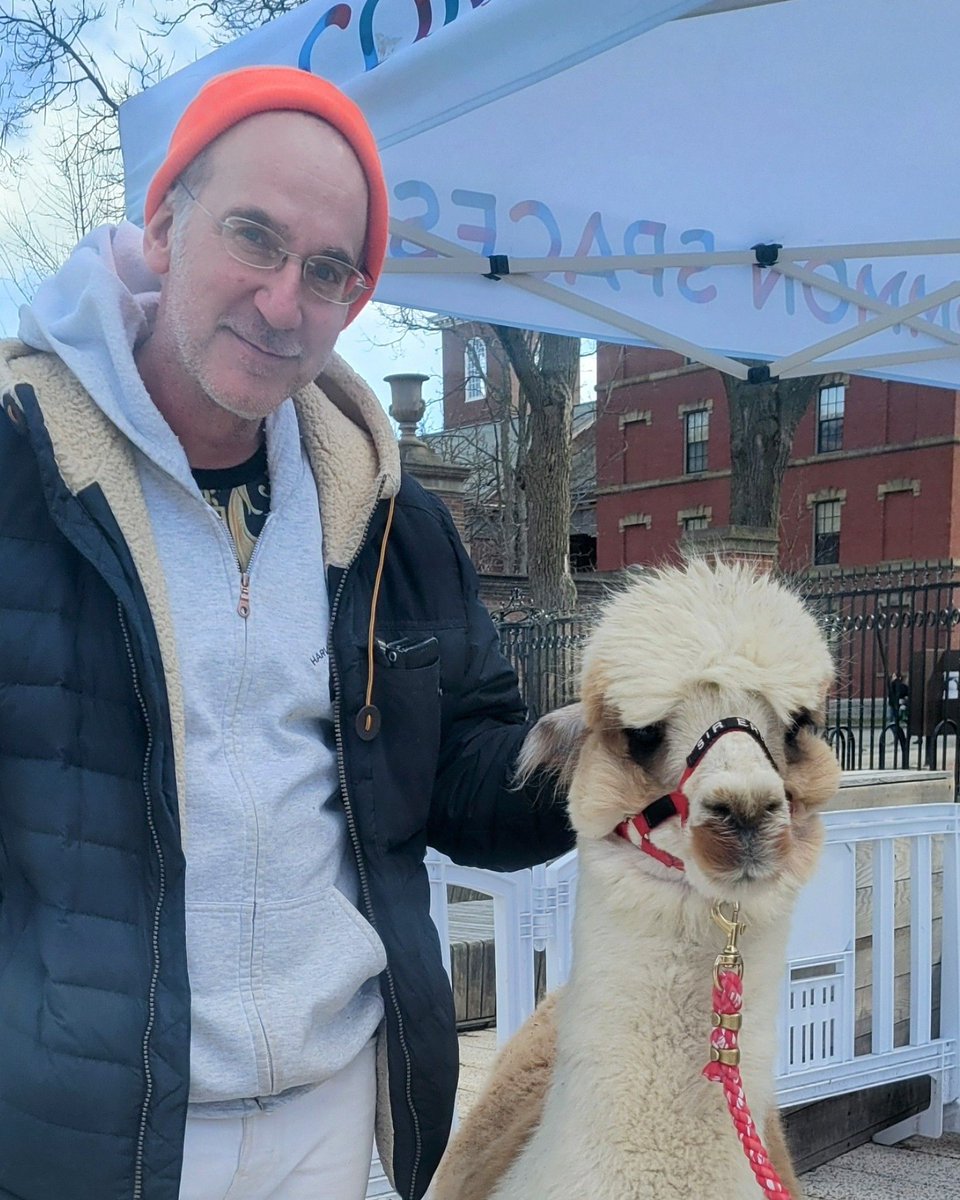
<point x="454" y="260"/>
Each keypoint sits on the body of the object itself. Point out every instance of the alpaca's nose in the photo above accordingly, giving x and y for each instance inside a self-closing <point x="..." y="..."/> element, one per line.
<point x="745" y="818"/>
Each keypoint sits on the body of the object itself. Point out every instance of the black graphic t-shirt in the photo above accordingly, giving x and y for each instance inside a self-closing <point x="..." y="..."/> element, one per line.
<point x="241" y="498"/>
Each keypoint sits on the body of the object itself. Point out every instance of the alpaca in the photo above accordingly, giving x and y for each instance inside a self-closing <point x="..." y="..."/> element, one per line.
<point x="614" y="1103"/>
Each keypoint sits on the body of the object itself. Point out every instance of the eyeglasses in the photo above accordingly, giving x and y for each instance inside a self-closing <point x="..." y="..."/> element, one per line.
<point x="256" y="246"/>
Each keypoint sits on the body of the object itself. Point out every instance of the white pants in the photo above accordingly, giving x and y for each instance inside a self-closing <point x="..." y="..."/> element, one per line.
<point x="317" y="1146"/>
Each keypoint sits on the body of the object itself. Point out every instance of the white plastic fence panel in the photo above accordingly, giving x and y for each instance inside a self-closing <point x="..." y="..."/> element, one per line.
<point x="436" y="865"/>
<point x="815" y="1022"/>
<point x="878" y="830"/>
<point x="824" y="919"/>
<point x="561" y="882"/>
<point x="513" y="932"/>
<point x="378" y="1187"/>
<point x="884" y="971"/>
<point x="921" y="939"/>
<point x="950" y="964"/>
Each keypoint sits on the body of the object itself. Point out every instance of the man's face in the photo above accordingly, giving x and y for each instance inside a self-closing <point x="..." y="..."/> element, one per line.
<point x="249" y="338"/>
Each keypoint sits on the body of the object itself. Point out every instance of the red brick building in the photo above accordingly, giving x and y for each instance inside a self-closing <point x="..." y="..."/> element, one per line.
<point x="481" y="421"/>
<point x="478" y="384"/>
<point x="874" y="475"/>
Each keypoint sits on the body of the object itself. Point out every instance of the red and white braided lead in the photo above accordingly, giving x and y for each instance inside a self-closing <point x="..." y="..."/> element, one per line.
<point x="727" y="1000"/>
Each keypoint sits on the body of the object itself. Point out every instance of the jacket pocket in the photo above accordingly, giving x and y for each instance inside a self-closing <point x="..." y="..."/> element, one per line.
<point x="403" y="755"/>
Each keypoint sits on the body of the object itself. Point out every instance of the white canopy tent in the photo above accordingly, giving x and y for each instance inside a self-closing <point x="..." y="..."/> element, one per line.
<point x="606" y="169"/>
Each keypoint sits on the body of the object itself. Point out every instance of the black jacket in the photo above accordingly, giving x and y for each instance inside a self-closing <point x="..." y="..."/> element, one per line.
<point x="94" y="994"/>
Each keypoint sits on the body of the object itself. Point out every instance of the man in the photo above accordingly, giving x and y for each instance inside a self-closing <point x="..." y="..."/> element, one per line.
<point x="244" y="679"/>
<point x="898" y="693"/>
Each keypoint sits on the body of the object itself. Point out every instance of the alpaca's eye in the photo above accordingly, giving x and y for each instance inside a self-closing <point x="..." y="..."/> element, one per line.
<point x="642" y="742"/>
<point x="798" y="722"/>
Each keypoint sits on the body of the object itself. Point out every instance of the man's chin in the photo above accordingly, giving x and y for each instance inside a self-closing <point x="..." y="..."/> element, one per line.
<point x="244" y="407"/>
<point x="249" y="397"/>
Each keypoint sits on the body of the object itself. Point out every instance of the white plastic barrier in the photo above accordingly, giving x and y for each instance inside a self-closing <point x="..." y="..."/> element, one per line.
<point x="818" y="1016"/>
<point x="533" y="910"/>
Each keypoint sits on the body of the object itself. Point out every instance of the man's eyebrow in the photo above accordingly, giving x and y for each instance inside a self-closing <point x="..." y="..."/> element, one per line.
<point x="261" y="218"/>
<point x="343" y="256"/>
<point x="278" y="227"/>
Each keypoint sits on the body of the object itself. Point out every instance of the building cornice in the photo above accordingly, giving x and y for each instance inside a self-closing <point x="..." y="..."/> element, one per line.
<point x="616" y="488"/>
<point x="652" y="377"/>
<point x="834" y="456"/>
<point x="873" y="451"/>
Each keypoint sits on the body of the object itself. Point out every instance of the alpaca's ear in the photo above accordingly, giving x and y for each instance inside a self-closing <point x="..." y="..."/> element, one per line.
<point x="553" y="744"/>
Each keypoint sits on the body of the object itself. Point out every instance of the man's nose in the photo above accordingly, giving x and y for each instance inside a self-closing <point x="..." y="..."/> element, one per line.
<point x="279" y="298"/>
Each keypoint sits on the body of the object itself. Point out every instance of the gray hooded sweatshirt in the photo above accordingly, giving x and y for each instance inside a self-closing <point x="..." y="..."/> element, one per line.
<point x="283" y="967"/>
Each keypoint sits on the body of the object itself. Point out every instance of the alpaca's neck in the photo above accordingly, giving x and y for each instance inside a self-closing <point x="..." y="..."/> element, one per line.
<point x="650" y="955"/>
<point x="629" y="1115"/>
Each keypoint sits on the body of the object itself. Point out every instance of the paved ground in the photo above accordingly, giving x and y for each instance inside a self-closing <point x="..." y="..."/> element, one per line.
<point x="477" y="1051"/>
<point x="917" y="1169"/>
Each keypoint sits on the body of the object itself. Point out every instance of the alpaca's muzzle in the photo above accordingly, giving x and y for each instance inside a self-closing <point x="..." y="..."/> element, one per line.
<point x="637" y="828"/>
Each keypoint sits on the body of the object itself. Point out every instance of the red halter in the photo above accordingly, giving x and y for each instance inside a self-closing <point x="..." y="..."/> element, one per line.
<point x="637" y="829"/>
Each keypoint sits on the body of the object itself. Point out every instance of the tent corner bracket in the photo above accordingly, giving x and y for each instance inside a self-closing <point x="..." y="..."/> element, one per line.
<point x="499" y="265"/>
<point x="760" y="374"/>
<point x="767" y="253"/>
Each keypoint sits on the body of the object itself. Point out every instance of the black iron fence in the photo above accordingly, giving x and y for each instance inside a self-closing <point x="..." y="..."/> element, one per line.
<point x="545" y="650"/>
<point x="896" y="640"/>
<point x="895" y="635"/>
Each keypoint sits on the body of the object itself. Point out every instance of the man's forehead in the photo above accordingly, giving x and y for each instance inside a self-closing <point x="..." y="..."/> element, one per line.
<point x="284" y="170"/>
<point x="280" y="128"/>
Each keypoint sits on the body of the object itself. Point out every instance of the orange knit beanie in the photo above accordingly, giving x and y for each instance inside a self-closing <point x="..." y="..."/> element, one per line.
<point x="229" y="98"/>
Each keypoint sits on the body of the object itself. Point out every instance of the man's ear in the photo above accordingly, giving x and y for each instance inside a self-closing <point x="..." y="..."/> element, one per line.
<point x="158" y="238"/>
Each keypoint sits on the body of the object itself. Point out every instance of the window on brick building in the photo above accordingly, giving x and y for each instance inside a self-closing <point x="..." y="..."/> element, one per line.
<point x="475" y="369"/>
<point x="695" y="523"/>
<point x="696" y="426"/>
<point x="830" y="419"/>
<point x="826" y="532"/>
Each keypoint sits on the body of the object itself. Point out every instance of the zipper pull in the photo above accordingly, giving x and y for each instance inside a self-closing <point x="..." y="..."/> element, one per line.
<point x="243" y="607"/>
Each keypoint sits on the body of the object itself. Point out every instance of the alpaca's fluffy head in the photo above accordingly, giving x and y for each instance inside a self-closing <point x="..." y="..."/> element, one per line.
<point x="672" y="654"/>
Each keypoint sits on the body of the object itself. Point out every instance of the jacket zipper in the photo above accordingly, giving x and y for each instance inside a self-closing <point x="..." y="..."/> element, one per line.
<point x="243" y="610"/>
<point x="155" y="936"/>
<point x="243" y="604"/>
<point x="358" y="853"/>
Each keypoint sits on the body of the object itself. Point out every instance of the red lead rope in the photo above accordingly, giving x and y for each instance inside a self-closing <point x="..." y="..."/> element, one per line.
<point x="724" y="1066"/>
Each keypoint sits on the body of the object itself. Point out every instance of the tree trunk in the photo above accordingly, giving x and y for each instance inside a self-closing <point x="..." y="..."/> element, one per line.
<point x="763" y="420"/>
<point x="547" y="367"/>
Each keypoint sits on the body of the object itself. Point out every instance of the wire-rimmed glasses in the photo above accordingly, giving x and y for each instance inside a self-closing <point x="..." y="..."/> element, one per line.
<point x="257" y="246"/>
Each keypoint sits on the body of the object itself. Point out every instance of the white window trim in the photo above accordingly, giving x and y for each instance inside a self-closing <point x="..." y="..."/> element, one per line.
<point x="633" y="519"/>
<point x="701" y="510"/>
<point x="898" y="485"/>
<point x="470" y="374"/>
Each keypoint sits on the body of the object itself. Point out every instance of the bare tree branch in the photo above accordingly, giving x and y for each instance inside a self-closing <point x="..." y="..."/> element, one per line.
<point x="227" y="18"/>
<point x="47" y="64"/>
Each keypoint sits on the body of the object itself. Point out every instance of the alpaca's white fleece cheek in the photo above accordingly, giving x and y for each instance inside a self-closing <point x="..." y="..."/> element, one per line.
<point x="815" y="778"/>
<point x="604" y="789"/>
